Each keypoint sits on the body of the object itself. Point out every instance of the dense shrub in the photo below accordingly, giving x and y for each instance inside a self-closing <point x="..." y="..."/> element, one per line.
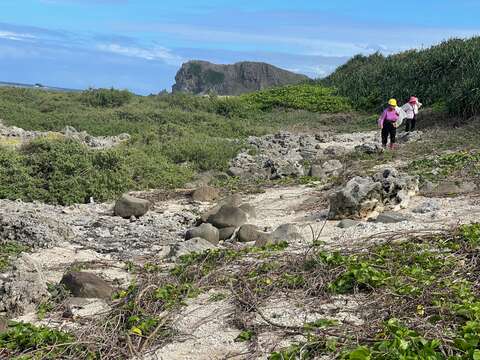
<point x="66" y="172"/>
<point x="308" y="97"/>
<point x="447" y="73"/>
<point x="106" y="97"/>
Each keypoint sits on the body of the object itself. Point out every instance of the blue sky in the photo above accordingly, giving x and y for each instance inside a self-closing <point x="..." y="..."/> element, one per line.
<point x="140" y="44"/>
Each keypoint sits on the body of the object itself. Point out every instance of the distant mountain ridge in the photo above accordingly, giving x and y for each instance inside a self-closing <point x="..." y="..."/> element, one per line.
<point x="36" y="86"/>
<point x="202" y="77"/>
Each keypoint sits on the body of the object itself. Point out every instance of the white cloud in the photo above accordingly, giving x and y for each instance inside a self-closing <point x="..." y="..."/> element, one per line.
<point x="156" y="53"/>
<point x="10" y="35"/>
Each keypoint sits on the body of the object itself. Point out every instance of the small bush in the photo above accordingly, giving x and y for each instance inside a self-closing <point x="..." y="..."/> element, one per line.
<point x="43" y="342"/>
<point x="106" y="97"/>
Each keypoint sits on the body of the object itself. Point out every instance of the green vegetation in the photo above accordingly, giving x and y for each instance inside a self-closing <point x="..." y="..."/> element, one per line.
<point x="106" y="97"/>
<point x="448" y="74"/>
<point x="9" y="250"/>
<point x="308" y="97"/>
<point x="425" y="285"/>
<point x="173" y="137"/>
<point x="461" y="164"/>
<point x="25" y="341"/>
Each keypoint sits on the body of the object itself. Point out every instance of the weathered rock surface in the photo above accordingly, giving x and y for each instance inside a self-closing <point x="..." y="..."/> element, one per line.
<point x="205" y="194"/>
<point x="287" y="232"/>
<point x="249" y="233"/>
<point x="21" y="136"/>
<point x="410" y="136"/>
<point x="369" y="148"/>
<point x="228" y="216"/>
<point x="32" y="228"/>
<point x="78" y="308"/>
<point x="358" y="199"/>
<point x="347" y="223"/>
<point x="396" y="188"/>
<point x="449" y="188"/>
<point x="87" y="285"/>
<point x="3" y="324"/>
<point x="24" y="288"/>
<point x="128" y="206"/>
<point x="195" y="245"/>
<point x="204" y="231"/>
<point x="286" y="154"/>
<point x="249" y="210"/>
<point x="202" y="77"/>
<point x="92" y="226"/>
<point x="391" y="217"/>
<point x="362" y="196"/>
<point x="226" y="233"/>
<point x="329" y="168"/>
<point x="427" y="207"/>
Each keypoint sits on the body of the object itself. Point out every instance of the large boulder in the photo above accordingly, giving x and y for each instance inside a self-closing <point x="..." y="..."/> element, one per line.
<point x="87" y="285"/>
<point x="358" y="199"/>
<point x="128" y="206"/>
<point x="249" y="233"/>
<point x="287" y="232"/>
<point x="204" y="231"/>
<point x="205" y="194"/>
<point x="195" y="245"/>
<point x="228" y="216"/>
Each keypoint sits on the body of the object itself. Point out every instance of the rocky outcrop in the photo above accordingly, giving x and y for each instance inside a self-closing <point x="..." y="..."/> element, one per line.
<point x="202" y="77"/>
<point x="361" y="197"/>
<point x="228" y="216"/>
<point x="19" y="136"/>
<point x="24" y="288"/>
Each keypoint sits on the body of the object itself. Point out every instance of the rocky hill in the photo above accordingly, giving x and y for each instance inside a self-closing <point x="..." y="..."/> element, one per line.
<point x="202" y="77"/>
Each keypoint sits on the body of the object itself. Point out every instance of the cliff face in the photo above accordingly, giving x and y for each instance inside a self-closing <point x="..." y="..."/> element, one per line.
<point x="202" y="77"/>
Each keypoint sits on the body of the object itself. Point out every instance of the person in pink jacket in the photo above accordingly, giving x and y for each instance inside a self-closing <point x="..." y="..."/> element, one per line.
<point x="388" y="123"/>
<point x="411" y="109"/>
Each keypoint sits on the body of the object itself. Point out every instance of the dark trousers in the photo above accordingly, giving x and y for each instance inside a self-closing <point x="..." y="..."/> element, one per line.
<point x="410" y="124"/>
<point x="388" y="130"/>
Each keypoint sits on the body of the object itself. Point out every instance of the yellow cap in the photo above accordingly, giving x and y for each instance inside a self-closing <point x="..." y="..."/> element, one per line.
<point x="392" y="102"/>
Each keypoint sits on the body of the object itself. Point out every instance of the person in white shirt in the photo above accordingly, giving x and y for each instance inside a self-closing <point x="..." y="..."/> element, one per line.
<point x="411" y="109"/>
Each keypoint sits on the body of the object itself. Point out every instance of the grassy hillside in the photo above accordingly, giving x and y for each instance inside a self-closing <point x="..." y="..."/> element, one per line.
<point x="173" y="137"/>
<point x="446" y="75"/>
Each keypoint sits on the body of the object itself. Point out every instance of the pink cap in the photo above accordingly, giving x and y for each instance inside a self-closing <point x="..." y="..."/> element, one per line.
<point x="413" y="99"/>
